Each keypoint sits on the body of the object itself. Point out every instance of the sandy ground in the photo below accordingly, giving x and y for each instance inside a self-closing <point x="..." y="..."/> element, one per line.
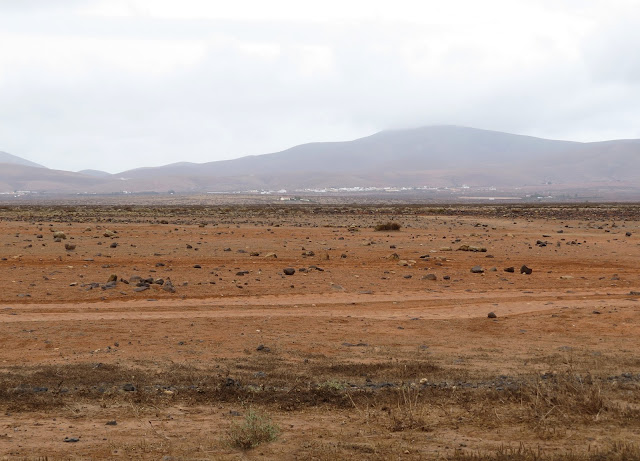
<point x="361" y="297"/>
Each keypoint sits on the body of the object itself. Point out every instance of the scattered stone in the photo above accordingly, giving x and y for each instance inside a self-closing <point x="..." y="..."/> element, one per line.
<point x="510" y="269"/>
<point x="59" y="235"/>
<point x="526" y="270"/>
<point x="289" y="271"/>
<point x="197" y="266"/>
<point x="429" y="277"/>
<point x="472" y="248"/>
<point x="492" y="315"/>
<point x="71" y="439"/>
<point x="477" y="270"/>
<point x="628" y="234"/>
<point x="271" y="255"/>
<point x="263" y="348"/>
<point x="129" y="387"/>
<point x="112" y="423"/>
<point x="69" y="246"/>
<point x="112" y="278"/>
<point x="597" y="312"/>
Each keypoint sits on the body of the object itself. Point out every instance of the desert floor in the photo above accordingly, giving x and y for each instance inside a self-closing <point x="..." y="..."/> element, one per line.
<point x="379" y="346"/>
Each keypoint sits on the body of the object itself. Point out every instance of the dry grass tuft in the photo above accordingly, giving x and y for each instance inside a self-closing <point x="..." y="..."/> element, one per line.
<point x="388" y="226"/>
<point x="257" y="428"/>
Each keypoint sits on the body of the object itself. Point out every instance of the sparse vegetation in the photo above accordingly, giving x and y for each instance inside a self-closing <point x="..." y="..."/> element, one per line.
<point x="388" y="226"/>
<point x="256" y="428"/>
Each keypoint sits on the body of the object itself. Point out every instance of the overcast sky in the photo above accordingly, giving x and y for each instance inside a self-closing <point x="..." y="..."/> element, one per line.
<point x="117" y="84"/>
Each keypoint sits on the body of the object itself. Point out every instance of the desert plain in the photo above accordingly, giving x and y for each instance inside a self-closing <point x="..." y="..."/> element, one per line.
<point x="159" y="332"/>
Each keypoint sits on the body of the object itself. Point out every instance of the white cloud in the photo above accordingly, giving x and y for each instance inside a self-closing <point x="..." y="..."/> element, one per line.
<point x="120" y="84"/>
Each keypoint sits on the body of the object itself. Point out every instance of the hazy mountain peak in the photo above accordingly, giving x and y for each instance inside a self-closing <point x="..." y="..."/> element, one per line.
<point x="15" y="160"/>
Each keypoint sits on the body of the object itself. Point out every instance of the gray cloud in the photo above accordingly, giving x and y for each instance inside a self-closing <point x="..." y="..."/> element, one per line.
<point x="118" y="91"/>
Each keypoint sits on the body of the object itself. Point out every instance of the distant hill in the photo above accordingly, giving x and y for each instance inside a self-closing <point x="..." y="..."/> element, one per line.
<point x="15" y="160"/>
<point x="96" y="173"/>
<point x="430" y="156"/>
<point x="437" y="155"/>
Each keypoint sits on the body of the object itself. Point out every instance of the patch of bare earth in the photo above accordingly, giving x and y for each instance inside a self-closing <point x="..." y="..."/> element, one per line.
<point x="379" y="346"/>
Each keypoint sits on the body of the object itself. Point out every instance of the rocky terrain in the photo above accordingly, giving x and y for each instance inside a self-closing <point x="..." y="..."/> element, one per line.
<point x="471" y="332"/>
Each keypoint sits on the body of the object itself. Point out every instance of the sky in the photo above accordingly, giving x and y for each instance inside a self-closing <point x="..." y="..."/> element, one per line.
<point x="115" y="85"/>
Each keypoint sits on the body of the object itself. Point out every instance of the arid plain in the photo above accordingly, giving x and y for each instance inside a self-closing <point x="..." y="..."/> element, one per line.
<point x="154" y="332"/>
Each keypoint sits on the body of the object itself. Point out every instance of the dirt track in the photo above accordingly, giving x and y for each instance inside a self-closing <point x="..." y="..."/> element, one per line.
<point x="360" y="298"/>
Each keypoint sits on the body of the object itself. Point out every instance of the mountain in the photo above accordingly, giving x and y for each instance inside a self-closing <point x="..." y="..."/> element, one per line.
<point x="15" y="160"/>
<point x="429" y="156"/>
<point x="96" y="173"/>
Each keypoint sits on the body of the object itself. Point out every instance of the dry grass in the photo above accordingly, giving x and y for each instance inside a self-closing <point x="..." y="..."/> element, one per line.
<point x="388" y="226"/>
<point x="256" y="429"/>
<point x="617" y="452"/>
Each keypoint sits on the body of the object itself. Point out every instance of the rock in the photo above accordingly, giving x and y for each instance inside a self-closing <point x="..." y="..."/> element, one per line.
<point x="429" y="277"/>
<point x="168" y="286"/>
<point x="69" y="246"/>
<point x="263" y="348"/>
<point x="597" y="312"/>
<point x="289" y="271"/>
<point x="112" y="278"/>
<point x="492" y="315"/>
<point x="129" y="387"/>
<point x="472" y="248"/>
<point x="142" y="288"/>
<point x="526" y="270"/>
<point x="628" y="234"/>
<point x="271" y="255"/>
<point x="71" y="439"/>
<point x="634" y="293"/>
<point x="510" y="269"/>
<point x="394" y="256"/>
<point x="112" y="423"/>
<point x="113" y="245"/>
<point x="59" y="235"/>
<point x="477" y="270"/>
<point x="197" y="266"/>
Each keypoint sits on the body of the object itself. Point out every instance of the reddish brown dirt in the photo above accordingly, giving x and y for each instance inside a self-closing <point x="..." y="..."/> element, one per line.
<point x="575" y="311"/>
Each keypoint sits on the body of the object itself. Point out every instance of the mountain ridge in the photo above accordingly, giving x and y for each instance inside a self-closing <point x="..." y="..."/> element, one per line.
<point x="434" y="156"/>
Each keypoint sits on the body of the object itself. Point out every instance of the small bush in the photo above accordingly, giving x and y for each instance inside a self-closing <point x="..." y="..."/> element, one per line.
<point x="388" y="226"/>
<point x="256" y="428"/>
